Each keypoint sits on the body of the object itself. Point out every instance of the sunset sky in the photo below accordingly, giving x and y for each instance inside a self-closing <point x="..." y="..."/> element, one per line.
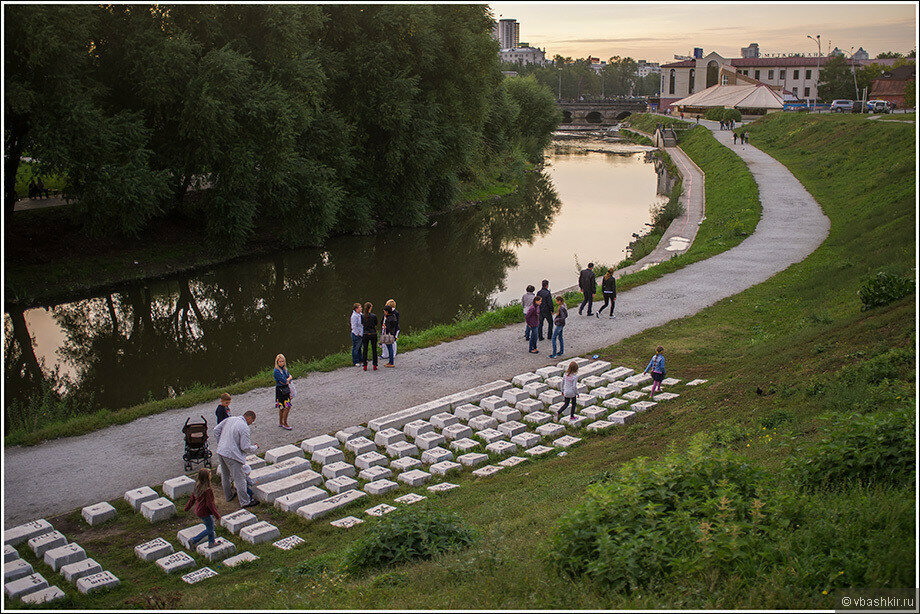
<point x="656" y="32"/>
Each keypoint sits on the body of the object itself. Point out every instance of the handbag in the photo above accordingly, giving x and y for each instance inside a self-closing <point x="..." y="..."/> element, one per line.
<point x="293" y="391"/>
<point x="387" y="339"/>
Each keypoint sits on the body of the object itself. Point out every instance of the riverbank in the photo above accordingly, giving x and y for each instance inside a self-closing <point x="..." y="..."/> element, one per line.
<point x="59" y="420"/>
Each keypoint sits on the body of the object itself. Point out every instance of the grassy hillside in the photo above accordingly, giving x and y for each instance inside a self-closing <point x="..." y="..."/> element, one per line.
<point x="791" y="362"/>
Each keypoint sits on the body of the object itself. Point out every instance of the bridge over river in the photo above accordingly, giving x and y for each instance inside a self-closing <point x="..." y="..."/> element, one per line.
<point x="602" y="112"/>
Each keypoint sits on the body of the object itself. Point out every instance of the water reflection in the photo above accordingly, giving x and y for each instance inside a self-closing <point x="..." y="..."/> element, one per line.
<point x="150" y="338"/>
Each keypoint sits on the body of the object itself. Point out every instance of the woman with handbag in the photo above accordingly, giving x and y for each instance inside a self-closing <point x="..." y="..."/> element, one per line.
<point x="386" y="352"/>
<point x="369" y="319"/>
<point x="388" y="338"/>
<point x="282" y="391"/>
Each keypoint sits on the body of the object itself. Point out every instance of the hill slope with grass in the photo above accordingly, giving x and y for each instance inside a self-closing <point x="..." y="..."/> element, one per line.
<point x="787" y="477"/>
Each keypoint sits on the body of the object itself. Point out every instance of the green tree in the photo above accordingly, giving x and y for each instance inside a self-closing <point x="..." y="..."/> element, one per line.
<point x="538" y="114"/>
<point x="620" y="76"/>
<point x="649" y="85"/>
<point x="836" y="80"/>
<point x="910" y="94"/>
<point x="887" y="55"/>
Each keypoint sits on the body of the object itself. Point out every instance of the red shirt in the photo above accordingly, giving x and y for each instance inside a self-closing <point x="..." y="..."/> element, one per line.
<point x="205" y="506"/>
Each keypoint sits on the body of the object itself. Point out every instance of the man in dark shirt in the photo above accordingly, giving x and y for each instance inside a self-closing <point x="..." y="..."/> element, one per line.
<point x="546" y="310"/>
<point x="223" y="410"/>
<point x="588" y="284"/>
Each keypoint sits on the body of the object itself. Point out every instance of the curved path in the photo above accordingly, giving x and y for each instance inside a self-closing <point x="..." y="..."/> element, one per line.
<point x="64" y="474"/>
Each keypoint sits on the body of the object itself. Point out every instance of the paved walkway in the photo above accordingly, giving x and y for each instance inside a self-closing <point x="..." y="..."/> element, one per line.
<point x="64" y="474"/>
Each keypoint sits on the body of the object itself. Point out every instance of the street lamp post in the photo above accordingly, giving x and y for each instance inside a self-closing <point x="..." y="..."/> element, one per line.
<point x="817" y="39"/>
<point x="853" y="69"/>
<point x="560" y="83"/>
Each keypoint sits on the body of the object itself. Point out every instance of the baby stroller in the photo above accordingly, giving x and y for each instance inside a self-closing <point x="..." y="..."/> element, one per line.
<point x="196" y="444"/>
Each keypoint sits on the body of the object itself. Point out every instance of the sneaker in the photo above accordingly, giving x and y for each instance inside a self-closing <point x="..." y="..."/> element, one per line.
<point x="365" y="367"/>
<point x="612" y="316"/>
<point x="597" y="315"/>
<point x="534" y="351"/>
<point x="287" y="428"/>
<point x="389" y="365"/>
<point x="572" y="418"/>
<point x="252" y="503"/>
<point x="375" y="367"/>
<point x="211" y="544"/>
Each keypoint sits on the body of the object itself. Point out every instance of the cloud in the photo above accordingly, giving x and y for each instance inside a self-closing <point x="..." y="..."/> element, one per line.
<point x="632" y="39"/>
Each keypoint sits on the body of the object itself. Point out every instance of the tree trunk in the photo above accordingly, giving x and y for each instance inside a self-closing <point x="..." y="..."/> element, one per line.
<point x="108" y="300"/>
<point x="18" y="129"/>
<point x="24" y="340"/>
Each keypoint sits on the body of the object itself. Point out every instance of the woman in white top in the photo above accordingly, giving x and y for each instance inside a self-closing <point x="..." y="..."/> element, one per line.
<point x="569" y="390"/>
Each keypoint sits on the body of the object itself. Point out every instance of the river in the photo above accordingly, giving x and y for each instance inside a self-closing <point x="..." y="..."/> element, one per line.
<point x="149" y="339"/>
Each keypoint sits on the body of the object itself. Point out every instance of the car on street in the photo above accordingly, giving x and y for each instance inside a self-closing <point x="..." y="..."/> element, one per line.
<point x="879" y="106"/>
<point x="841" y="105"/>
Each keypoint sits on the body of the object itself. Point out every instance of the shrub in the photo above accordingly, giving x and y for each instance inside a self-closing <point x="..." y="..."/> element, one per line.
<point x="731" y="114"/>
<point x="406" y="535"/>
<point x="883" y="289"/>
<point x="867" y="449"/>
<point x="715" y="114"/>
<point x="704" y="511"/>
<point x="882" y="382"/>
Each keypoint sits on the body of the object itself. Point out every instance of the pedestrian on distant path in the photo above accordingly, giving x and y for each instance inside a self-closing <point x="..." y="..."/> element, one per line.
<point x="282" y="391"/>
<point x="561" y="314"/>
<point x="588" y="284"/>
<point x="656" y="364"/>
<point x="526" y="302"/>
<point x="569" y="390"/>
<point x="370" y="334"/>
<point x="233" y="444"/>
<point x="203" y="500"/>
<point x="734" y="138"/>
<point x="42" y="191"/>
<point x="388" y="338"/>
<point x="532" y="319"/>
<point x="223" y="410"/>
<point x="609" y="288"/>
<point x="386" y="352"/>
<point x="546" y="310"/>
<point x="357" y="333"/>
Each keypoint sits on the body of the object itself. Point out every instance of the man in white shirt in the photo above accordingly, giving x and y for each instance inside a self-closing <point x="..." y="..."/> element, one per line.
<point x="357" y="334"/>
<point x="233" y="444"/>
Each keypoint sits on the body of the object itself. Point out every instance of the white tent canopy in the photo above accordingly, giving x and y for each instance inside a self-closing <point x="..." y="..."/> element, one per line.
<point x="734" y="96"/>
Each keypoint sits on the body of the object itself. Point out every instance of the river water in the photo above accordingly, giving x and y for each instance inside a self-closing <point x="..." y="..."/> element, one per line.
<point x="219" y="325"/>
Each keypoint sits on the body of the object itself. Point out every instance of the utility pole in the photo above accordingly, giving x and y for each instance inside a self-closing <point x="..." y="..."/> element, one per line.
<point x="817" y="39"/>
<point x="560" y="83"/>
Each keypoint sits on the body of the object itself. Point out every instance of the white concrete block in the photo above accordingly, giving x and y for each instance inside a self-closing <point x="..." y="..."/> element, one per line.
<point x="615" y="404"/>
<point x="594" y="412"/>
<point x="537" y="418"/>
<point x="473" y="459"/>
<point x="664" y="396"/>
<point x="280" y="470"/>
<point x="259" y="533"/>
<point x="547" y="372"/>
<point x="593" y="368"/>
<point x="444" y="420"/>
<point x="97" y="514"/>
<point x="193" y="577"/>
<point x="527" y="406"/>
<point x="537" y="451"/>
<point x="335" y="470"/>
<point x="436" y="455"/>
<point x="489" y="435"/>
<point x="380" y="510"/>
<point x="513" y="395"/>
<point x="341" y="484"/>
<point x="633" y="395"/>
<point x="372" y="474"/>
<point x="282" y="453"/>
<point x="525" y="440"/>
<point x="405" y="464"/>
<point x="525" y="378"/>
<point x="550" y="430"/>
<point x="387" y="437"/>
<point x="419" y="412"/>
<point x="370" y="459"/>
<point x="239" y="559"/>
<point x="669" y="381"/>
<point x="464" y="445"/>
<point x="511" y="428"/>
<point x="16" y="569"/>
<point x="360" y="445"/>
<point x="235" y="521"/>
<point x="179" y="486"/>
<point x="486" y="471"/>
<point x="221" y="550"/>
<point x="270" y="491"/>
<point x="64" y="555"/>
<point x="534" y="389"/>
<point x="347" y="522"/>
<point x="17" y="589"/>
<point x="401" y="449"/>
<point x="511" y="461"/>
<point x="138" y="496"/>
<point x="352" y="432"/>
<point x="9" y="553"/>
<point x="158" y="510"/>
<point x="509" y="413"/>
<point x="465" y="412"/>
<point x="696" y="382"/>
<point x="443" y="487"/>
<point x="313" y="444"/>
<point x="622" y="417"/>
<point x="43" y="543"/>
<point x="185" y="536"/>
<point x="619" y="388"/>
<point x="566" y="441"/>
<point x="600" y="425"/>
<point x="175" y="562"/>
<point x="97" y="582"/>
<point x="480" y="423"/>
<point x="417" y="427"/>
<point x="603" y="393"/>
<point x="642" y="405"/>
<point x="291" y="502"/>
<point x="410" y="499"/>
<point x="640" y="379"/>
<point x="564" y="364"/>
<point x="325" y="456"/>
<point x="75" y="571"/>
<point x="153" y="550"/>
<point x="550" y="397"/>
<point x="414" y="477"/>
<point x="255" y="462"/>
<point x="457" y="431"/>
<point x="584" y="400"/>
<point x="593" y="381"/>
<point x="617" y="373"/>
<point x="445" y="467"/>
<point x="501" y="448"/>
<point x="554" y="382"/>
<point x="289" y="543"/>
<point x="426" y="441"/>
<point x="380" y="487"/>
<point x="45" y="595"/>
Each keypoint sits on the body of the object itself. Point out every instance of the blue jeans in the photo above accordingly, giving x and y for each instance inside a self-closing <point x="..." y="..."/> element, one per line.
<point x="526" y="331"/>
<point x="356" y="349"/>
<point x="208" y="531"/>
<point x="389" y="347"/>
<point x="532" y="336"/>
<point x="557" y="334"/>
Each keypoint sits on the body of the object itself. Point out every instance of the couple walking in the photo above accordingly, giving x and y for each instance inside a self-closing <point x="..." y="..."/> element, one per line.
<point x="539" y="307"/>
<point x="364" y="333"/>
<point x="587" y="281"/>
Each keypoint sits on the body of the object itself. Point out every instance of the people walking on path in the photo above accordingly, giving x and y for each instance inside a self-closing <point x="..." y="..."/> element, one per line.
<point x="357" y="333"/>
<point x="609" y="289"/>
<point x="588" y="284"/>
<point x="734" y="138"/>
<point x="656" y="365"/>
<point x="569" y="390"/>
<point x="532" y="319"/>
<point x="386" y="353"/>
<point x="370" y="334"/>
<point x="388" y="336"/>
<point x="223" y="410"/>
<point x="234" y="442"/>
<point x="282" y="391"/>
<point x="203" y="500"/>
<point x="546" y="310"/>
<point x="559" y="320"/>
<point x="526" y="302"/>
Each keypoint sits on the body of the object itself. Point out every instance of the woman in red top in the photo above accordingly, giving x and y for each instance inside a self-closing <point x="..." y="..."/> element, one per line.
<point x="203" y="500"/>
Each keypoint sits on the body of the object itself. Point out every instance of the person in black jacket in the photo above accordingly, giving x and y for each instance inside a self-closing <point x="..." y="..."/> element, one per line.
<point x="390" y="327"/>
<point x="609" y="288"/>
<point x="369" y="319"/>
<point x="588" y="284"/>
<point x="546" y="310"/>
